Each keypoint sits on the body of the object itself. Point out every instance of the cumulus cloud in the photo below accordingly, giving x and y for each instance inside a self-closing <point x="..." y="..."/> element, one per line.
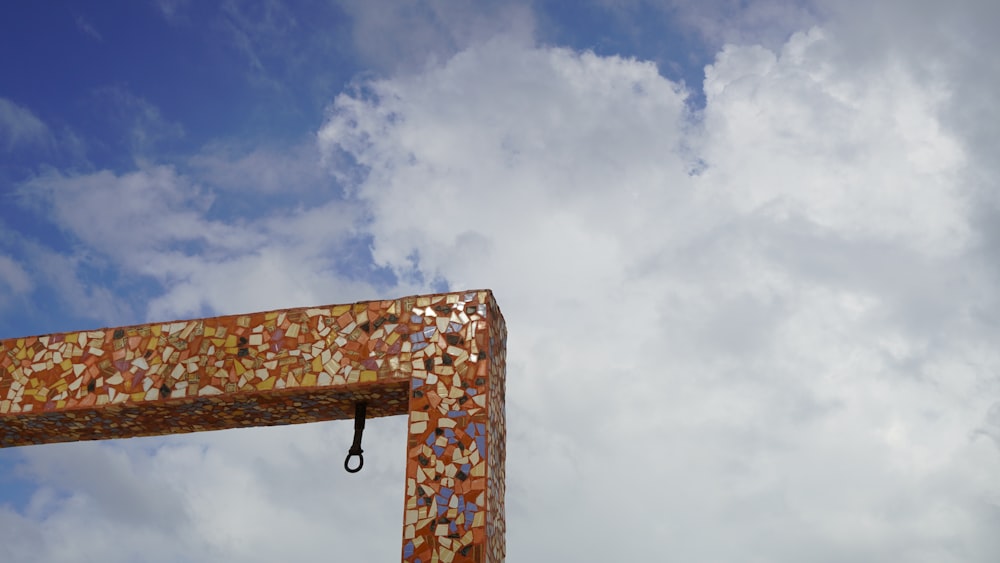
<point x="877" y="162"/>
<point x="770" y="299"/>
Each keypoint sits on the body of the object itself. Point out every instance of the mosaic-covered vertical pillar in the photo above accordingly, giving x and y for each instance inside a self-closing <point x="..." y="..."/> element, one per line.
<point x="456" y="447"/>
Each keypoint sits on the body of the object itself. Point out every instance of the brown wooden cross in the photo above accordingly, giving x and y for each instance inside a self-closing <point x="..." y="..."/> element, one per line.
<point x="440" y="359"/>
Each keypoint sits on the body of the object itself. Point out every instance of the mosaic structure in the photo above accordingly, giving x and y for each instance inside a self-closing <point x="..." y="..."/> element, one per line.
<point x="440" y="359"/>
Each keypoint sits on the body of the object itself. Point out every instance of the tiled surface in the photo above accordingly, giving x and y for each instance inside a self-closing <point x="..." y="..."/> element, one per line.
<point x="454" y="506"/>
<point x="446" y="352"/>
<point x="496" y="527"/>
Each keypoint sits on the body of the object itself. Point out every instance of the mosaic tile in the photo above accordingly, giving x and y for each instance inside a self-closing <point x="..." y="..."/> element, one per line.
<point x="438" y="358"/>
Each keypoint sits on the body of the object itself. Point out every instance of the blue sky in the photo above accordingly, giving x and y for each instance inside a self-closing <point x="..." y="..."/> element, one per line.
<point x="747" y="252"/>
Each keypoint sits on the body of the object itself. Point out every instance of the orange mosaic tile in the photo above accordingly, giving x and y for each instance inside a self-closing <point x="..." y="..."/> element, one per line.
<point x="438" y="358"/>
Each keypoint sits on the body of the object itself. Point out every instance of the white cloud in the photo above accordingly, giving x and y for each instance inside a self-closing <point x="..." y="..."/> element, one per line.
<point x="776" y="351"/>
<point x="148" y="209"/>
<point x="13" y="276"/>
<point x="470" y="155"/>
<point x="142" y="124"/>
<point x="257" y="495"/>
<point x="768" y="23"/>
<point x="172" y="10"/>
<point x="254" y="28"/>
<point x="88" y="29"/>
<point x="274" y="171"/>
<point x="20" y="127"/>
<point x="63" y="273"/>
<point x="157" y="223"/>
<point x="864" y="155"/>
<point x="395" y="37"/>
<point x="15" y="281"/>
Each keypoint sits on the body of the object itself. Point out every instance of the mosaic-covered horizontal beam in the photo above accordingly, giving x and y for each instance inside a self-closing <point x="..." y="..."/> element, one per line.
<point x="438" y="358"/>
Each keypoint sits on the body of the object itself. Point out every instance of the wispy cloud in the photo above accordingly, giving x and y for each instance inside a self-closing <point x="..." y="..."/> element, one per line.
<point x="142" y="125"/>
<point x="63" y="272"/>
<point x="20" y="127"/>
<point x="13" y="277"/>
<point x="156" y="224"/>
<point x="394" y="37"/>
<point x="288" y="170"/>
<point x="88" y="29"/>
<point x="172" y="10"/>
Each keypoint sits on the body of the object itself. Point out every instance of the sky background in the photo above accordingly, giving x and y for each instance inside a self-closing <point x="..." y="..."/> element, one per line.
<point x="748" y="253"/>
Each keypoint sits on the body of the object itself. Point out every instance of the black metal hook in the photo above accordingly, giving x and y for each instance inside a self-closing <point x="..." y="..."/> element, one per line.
<point x="359" y="428"/>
